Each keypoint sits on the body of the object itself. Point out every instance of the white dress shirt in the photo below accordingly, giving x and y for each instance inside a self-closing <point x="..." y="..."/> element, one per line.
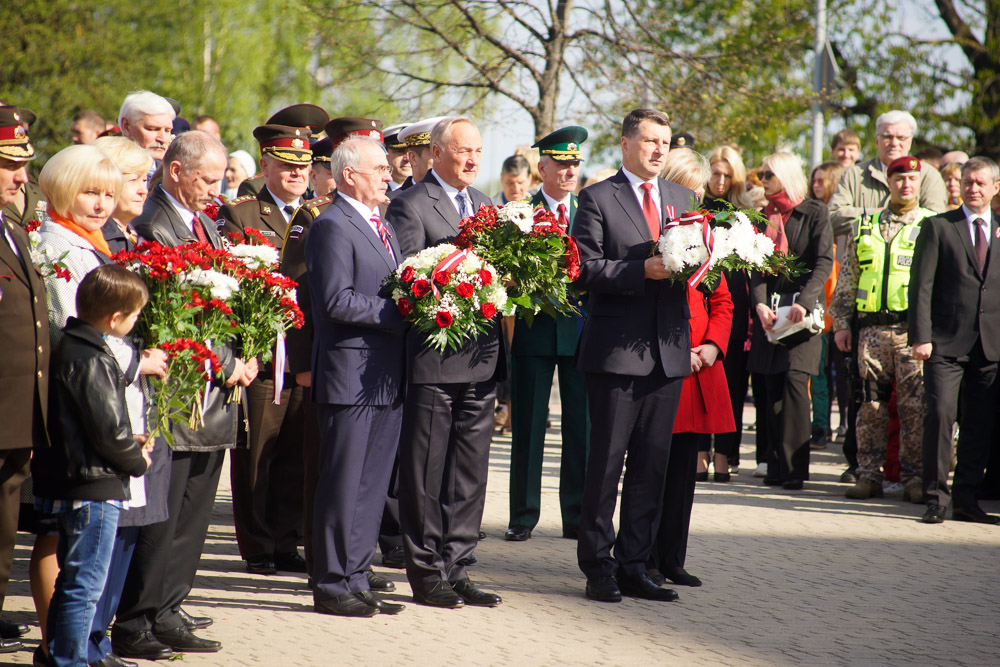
<point x="635" y="182"/>
<point x="282" y="204"/>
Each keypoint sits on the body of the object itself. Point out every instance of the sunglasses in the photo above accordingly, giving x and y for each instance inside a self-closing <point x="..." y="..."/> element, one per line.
<point x="765" y="175"/>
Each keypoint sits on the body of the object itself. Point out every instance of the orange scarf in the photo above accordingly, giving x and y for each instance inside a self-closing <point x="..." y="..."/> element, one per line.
<point x="96" y="238"/>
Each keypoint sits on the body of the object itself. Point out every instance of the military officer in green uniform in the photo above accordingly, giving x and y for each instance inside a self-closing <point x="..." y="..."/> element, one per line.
<point x="302" y="116"/>
<point x="871" y="295"/>
<point x="536" y="351"/>
<point x="29" y="204"/>
<point x="267" y="475"/>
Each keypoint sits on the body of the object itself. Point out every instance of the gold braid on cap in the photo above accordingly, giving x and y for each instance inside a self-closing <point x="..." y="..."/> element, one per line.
<point x="419" y="139"/>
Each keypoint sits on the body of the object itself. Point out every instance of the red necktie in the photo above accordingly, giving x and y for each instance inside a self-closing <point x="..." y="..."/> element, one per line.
<point x="382" y="233"/>
<point x="199" y="231"/>
<point x="561" y="211"/>
<point x="649" y="210"/>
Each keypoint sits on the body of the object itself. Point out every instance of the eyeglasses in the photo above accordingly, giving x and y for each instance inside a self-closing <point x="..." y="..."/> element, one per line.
<point x="384" y="170"/>
<point x="889" y="138"/>
<point x="765" y="175"/>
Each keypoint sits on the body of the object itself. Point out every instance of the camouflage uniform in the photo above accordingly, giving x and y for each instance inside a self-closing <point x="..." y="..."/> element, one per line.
<point x="883" y="357"/>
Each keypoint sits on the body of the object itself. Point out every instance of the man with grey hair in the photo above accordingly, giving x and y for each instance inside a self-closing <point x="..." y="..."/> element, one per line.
<point x="147" y="119"/>
<point x="864" y="188"/>
<point x="358" y="377"/>
<point x="448" y="415"/>
<point x="954" y="326"/>
<point x="150" y="623"/>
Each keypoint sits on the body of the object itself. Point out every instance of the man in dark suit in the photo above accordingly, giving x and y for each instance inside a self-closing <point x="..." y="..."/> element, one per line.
<point x="634" y="351"/>
<point x="357" y="377"/>
<point x="448" y="415"/>
<point x="536" y="351"/>
<point x="150" y="622"/>
<point x="954" y="325"/>
<point x="266" y="470"/>
<point x="24" y="353"/>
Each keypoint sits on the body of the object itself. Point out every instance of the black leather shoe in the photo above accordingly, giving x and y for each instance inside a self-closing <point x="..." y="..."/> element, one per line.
<point x="974" y="514"/>
<point x="934" y="514"/>
<point x="10" y="645"/>
<point x="346" y="604"/>
<point x="467" y="561"/>
<point x="473" y="595"/>
<point x="141" y="645"/>
<point x="112" y="660"/>
<point x="194" y="622"/>
<point x="679" y="576"/>
<point x="383" y="607"/>
<point x="656" y="577"/>
<point x="290" y="562"/>
<point x="439" y="595"/>
<point x="182" y="641"/>
<point x="261" y="565"/>
<point x="482" y="535"/>
<point x="10" y="630"/>
<point x="377" y="582"/>
<point x="396" y="558"/>
<point x="772" y="481"/>
<point x="603" y="589"/>
<point x="517" y="534"/>
<point x="792" y="485"/>
<point x="701" y="476"/>
<point x="644" y="587"/>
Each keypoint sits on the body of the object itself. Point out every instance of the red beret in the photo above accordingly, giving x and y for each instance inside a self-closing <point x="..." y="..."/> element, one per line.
<point x="903" y="165"/>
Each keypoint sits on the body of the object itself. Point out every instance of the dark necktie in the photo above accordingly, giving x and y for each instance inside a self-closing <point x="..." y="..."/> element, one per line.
<point x="382" y="233"/>
<point x="199" y="231"/>
<point x="561" y="213"/>
<point x="649" y="210"/>
<point x="290" y="210"/>
<point x="464" y="209"/>
<point x="981" y="247"/>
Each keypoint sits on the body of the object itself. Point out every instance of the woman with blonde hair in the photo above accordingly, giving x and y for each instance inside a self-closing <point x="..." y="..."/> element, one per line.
<point x="799" y="227"/>
<point x="688" y="168"/>
<point x="134" y="163"/>
<point x="952" y="175"/>
<point x="728" y="181"/>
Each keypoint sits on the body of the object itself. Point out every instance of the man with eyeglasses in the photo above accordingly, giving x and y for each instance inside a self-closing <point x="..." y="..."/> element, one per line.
<point x="448" y="415"/>
<point x="864" y="188"/>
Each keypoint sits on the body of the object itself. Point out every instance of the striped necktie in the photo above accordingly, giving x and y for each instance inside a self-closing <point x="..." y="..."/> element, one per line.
<point x="382" y="233"/>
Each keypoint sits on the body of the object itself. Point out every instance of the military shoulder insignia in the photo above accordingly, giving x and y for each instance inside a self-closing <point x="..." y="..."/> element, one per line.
<point x="265" y="209"/>
<point x="243" y="199"/>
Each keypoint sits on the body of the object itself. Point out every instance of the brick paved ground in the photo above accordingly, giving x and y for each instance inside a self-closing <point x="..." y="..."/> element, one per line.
<point x="791" y="578"/>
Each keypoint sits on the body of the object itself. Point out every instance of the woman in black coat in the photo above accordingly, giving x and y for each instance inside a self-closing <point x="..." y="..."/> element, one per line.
<point x="802" y="226"/>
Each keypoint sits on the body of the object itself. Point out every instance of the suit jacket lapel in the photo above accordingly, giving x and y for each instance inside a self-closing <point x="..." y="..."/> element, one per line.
<point x="182" y="228"/>
<point x="626" y="198"/>
<point x="442" y="202"/>
<point x="366" y="230"/>
<point x="8" y="257"/>
<point x="961" y="227"/>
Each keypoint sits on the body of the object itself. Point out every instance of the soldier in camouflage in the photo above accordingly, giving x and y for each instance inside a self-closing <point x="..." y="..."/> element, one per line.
<point x="871" y="296"/>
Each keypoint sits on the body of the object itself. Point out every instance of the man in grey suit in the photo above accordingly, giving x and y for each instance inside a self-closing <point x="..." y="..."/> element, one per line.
<point x="448" y="414"/>
<point x="357" y="377"/>
<point x="634" y="352"/>
<point x="150" y="623"/>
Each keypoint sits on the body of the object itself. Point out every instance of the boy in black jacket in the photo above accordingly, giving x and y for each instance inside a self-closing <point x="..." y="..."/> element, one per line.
<point x="83" y="477"/>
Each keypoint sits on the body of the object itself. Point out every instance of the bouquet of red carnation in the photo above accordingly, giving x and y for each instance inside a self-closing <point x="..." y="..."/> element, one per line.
<point x="531" y="250"/>
<point x="447" y="292"/>
<point x="191" y="368"/>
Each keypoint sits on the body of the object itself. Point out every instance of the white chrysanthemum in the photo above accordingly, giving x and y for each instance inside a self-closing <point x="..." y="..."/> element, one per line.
<point x="256" y="256"/>
<point x="471" y="264"/>
<point x="521" y="213"/>
<point x="219" y="285"/>
<point x="672" y="262"/>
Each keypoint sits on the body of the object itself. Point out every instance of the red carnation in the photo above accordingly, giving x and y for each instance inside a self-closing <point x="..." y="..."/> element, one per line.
<point x="405" y="306"/>
<point x="211" y="210"/>
<point x="465" y="290"/>
<point x="488" y="310"/>
<point x="407" y="274"/>
<point x="442" y="277"/>
<point x="421" y="288"/>
<point x="443" y="318"/>
<point x="485" y="277"/>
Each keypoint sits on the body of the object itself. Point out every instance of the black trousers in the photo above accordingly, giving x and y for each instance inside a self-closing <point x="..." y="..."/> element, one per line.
<point x="443" y="462"/>
<point x="167" y="553"/>
<point x="737" y="377"/>
<point x="389" y="534"/>
<point x="944" y="377"/>
<point x="267" y="476"/>
<point x="630" y="417"/>
<point x="678" y="499"/>
<point x="787" y="412"/>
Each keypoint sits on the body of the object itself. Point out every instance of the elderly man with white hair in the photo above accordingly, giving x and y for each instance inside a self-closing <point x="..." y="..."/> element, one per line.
<point x="147" y="119"/>
<point x="864" y="187"/>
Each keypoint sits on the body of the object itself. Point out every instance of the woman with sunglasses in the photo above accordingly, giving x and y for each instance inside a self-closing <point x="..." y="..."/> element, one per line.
<point x="801" y="228"/>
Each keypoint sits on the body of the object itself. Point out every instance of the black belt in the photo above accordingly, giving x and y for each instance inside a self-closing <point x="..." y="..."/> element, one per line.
<point x="881" y="319"/>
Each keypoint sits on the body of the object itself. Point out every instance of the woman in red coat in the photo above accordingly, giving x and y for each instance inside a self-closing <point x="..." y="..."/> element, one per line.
<point x="704" y="408"/>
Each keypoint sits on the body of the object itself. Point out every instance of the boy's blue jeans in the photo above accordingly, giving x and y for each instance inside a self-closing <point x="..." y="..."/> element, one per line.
<point x="86" y="540"/>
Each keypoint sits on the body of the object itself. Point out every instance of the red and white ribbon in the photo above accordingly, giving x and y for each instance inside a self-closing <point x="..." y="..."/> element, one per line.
<point x="449" y="263"/>
<point x="279" y="367"/>
<point x="691" y="218"/>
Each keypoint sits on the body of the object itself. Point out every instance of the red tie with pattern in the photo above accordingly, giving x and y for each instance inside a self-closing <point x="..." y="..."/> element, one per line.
<point x="649" y="210"/>
<point x="199" y="231"/>
<point x="561" y="212"/>
<point x="382" y="233"/>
